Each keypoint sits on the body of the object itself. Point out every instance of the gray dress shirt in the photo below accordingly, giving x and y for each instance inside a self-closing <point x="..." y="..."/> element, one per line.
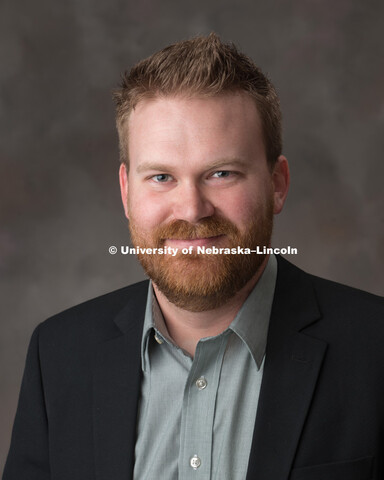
<point x="197" y="416"/>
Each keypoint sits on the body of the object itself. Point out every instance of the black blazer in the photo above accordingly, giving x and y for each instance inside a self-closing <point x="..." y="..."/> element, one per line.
<point x="321" y="407"/>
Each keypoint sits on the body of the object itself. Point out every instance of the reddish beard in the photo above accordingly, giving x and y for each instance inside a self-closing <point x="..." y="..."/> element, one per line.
<point x="200" y="282"/>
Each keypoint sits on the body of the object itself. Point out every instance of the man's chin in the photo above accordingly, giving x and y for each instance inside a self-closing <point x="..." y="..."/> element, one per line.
<point x="192" y="301"/>
<point x="199" y="283"/>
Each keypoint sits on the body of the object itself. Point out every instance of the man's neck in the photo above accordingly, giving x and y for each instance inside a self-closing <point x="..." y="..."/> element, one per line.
<point x="187" y="328"/>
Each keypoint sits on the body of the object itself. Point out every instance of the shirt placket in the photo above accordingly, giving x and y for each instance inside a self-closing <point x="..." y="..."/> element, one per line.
<point x="198" y="412"/>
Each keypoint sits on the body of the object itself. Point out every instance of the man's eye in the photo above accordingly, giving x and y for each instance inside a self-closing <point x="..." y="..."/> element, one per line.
<point x="222" y="174"/>
<point x="161" y="178"/>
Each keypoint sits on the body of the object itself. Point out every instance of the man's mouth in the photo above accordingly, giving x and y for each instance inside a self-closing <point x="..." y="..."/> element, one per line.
<point x="194" y="242"/>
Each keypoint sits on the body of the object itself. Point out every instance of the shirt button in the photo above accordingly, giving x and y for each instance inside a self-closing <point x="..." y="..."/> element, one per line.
<point x="195" y="462"/>
<point x="158" y="339"/>
<point x="201" y="383"/>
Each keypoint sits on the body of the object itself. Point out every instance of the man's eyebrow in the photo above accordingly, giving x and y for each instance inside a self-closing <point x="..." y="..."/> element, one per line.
<point x="162" y="167"/>
<point x="226" y="162"/>
<point x="145" y="166"/>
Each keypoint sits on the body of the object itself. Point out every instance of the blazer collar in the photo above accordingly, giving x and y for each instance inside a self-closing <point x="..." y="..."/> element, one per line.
<point x="116" y="391"/>
<point x="131" y="317"/>
<point x="292" y="365"/>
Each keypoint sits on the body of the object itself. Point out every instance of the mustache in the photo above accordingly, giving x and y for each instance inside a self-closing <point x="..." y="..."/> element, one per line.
<point x="207" y="227"/>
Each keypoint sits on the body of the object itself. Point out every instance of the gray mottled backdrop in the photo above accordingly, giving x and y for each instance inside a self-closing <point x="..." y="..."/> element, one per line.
<point x="60" y="207"/>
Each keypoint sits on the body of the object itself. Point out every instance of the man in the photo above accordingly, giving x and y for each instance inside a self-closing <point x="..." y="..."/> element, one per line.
<point x="226" y="365"/>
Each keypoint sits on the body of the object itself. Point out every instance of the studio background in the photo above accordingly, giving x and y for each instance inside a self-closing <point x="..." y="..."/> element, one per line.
<point x="60" y="205"/>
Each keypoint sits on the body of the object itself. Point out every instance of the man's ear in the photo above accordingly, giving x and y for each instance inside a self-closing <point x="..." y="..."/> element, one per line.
<point x="123" y="177"/>
<point x="280" y="180"/>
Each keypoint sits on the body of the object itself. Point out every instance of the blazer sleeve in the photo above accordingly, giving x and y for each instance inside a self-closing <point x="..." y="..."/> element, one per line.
<point x="28" y="457"/>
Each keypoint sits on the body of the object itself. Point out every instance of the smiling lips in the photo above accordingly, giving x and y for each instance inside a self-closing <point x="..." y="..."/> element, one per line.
<point x="195" y="242"/>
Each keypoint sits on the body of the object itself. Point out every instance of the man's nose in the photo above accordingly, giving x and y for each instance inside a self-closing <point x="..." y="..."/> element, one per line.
<point x="191" y="204"/>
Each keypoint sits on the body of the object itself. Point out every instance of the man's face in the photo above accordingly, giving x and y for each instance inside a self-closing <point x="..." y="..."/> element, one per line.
<point x="198" y="176"/>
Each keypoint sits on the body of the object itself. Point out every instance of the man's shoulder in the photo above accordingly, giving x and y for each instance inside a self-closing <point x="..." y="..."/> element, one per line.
<point x="96" y="317"/>
<point x="325" y="286"/>
<point x="337" y="294"/>
<point x="336" y="302"/>
<point x="358" y="313"/>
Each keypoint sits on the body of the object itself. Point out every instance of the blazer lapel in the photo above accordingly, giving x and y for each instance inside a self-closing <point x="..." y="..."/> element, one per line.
<point x="291" y="370"/>
<point x="116" y="390"/>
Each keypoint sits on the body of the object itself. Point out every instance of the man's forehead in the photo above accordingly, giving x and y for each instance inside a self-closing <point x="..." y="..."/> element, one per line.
<point x="204" y="130"/>
<point x="220" y="120"/>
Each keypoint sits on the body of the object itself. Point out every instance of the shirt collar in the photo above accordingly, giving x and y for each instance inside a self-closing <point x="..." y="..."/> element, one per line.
<point x="250" y="324"/>
<point x="149" y="325"/>
<point x="252" y="321"/>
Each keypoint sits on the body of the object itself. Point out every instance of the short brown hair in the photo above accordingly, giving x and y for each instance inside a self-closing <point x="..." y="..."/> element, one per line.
<point x="201" y="66"/>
